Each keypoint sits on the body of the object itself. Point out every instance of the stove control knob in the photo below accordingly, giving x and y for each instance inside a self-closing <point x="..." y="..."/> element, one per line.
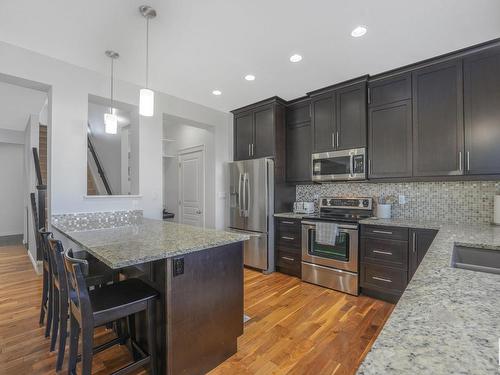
<point x="324" y="202"/>
<point x="365" y="202"/>
<point x="332" y="202"/>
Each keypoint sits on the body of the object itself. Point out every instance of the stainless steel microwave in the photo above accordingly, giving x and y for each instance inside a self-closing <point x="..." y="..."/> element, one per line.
<point x="344" y="165"/>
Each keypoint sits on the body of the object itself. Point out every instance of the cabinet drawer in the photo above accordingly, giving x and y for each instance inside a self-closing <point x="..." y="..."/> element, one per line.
<point x="382" y="251"/>
<point x="383" y="278"/>
<point x="288" y="225"/>
<point x="288" y="239"/>
<point x="391" y="233"/>
<point x="289" y="263"/>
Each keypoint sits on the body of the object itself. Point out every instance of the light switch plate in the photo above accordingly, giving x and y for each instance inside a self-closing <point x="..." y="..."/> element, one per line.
<point x="402" y="199"/>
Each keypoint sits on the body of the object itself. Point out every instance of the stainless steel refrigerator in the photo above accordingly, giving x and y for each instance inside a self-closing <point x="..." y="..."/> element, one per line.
<point x="251" y="209"/>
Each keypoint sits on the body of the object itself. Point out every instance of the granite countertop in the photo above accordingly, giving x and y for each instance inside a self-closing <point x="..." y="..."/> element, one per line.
<point x="291" y="215"/>
<point x="146" y="241"/>
<point x="447" y="321"/>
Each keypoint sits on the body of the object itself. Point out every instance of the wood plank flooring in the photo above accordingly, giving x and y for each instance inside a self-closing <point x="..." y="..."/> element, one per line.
<point x="295" y="327"/>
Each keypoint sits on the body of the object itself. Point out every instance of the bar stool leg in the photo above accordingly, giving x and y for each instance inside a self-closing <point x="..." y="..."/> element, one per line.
<point x="152" y="337"/>
<point x="87" y="331"/>
<point x="50" y="308"/>
<point x="55" y="320"/>
<point x="45" y="295"/>
<point x="74" y="334"/>
<point x="63" y="331"/>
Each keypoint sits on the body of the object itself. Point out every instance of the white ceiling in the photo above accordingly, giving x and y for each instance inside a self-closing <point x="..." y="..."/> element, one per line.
<point x="17" y="104"/>
<point x="199" y="45"/>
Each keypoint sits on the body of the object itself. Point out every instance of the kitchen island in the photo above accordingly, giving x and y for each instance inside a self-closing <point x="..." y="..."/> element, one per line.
<point x="198" y="273"/>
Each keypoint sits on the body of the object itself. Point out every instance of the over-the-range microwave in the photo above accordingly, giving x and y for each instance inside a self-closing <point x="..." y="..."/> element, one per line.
<point x="343" y="165"/>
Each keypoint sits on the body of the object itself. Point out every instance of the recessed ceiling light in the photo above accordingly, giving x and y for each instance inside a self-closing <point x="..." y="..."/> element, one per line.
<point x="359" y="31"/>
<point x="250" y="77"/>
<point x="295" y="58"/>
<point x="217" y="92"/>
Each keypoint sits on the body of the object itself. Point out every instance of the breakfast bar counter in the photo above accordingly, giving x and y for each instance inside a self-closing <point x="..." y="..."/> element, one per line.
<point x="198" y="273"/>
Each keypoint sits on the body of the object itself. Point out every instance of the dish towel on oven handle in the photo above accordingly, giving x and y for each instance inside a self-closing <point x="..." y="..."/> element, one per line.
<point x="326" y="233"/>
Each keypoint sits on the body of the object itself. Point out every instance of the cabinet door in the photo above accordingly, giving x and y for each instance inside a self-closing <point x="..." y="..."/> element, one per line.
<point x="264" y="132"/>
<point x="243" y="136"/>
<point x="421" y="240"/>
<point x="390" y="140"/>
<point x="482" y="112"/>
<point x="298" y="153"/>
<point x="438" y="128"/>
<point x="323" y="122"/>
<point x="351" y="116"/>
<point x="389" y="90"/>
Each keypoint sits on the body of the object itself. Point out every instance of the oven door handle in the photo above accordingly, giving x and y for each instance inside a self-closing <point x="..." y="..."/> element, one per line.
<point x="312" y="224"/>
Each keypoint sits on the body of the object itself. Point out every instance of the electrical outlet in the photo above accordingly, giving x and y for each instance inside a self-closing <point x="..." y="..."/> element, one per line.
<point x="178" y="266"/>
<point x="402" y="199"/>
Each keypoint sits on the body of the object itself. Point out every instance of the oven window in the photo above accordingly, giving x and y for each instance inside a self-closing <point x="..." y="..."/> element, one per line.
<point x="336" y="165"/>
<point x="340" y="251"/>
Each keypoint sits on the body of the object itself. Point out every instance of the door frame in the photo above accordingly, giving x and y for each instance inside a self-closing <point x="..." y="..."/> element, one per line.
<point x="186" y="151"/>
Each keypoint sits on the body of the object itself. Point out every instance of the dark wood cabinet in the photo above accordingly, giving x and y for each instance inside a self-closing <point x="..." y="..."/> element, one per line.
<point x="421" y="240"/>
<point x="323" y="122"/>
<point x="298" y="141"/>
<point x="288" y="246"/>
<point x="259" y="131"/>
<point x="482" y="112"/>
<point x="438" y="128"/>
<point x="339" y="116"/>
<point x="390" y="140"/>
<point x="243" y="136"/>
<point x="389" y="90"/>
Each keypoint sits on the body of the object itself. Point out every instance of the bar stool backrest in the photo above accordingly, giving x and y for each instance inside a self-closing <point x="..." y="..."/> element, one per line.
<point x="56" y="251"/>
<point x="76" y="270"/>
<point x="44" y="244"/>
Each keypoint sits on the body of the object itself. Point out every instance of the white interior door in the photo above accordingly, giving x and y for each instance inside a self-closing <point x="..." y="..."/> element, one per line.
<point x="192" y="187"/>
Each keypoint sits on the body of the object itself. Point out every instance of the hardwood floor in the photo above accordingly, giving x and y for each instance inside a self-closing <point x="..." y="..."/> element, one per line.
<point x="295" y="327"/>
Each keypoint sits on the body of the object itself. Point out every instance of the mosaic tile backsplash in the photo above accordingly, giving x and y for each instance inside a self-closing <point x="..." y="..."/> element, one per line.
<point x="448" y="202"/>
<point x="96" y="220"/>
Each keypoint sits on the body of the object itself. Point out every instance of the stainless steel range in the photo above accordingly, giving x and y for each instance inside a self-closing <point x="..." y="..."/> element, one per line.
<point x="334" y="263"/>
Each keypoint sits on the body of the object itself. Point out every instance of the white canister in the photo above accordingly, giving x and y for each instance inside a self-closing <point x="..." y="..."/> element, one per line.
<point x="496" y="210"/>
<point x="384" y="211"/>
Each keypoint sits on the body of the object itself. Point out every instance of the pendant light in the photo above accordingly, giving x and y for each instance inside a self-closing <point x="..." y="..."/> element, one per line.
<point x="110" y="119"/>
<point x="146" y="95"/>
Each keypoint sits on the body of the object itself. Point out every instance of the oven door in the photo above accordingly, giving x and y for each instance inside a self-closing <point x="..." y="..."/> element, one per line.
<point x="339" y="165"/>
<point x="343" y="256"/>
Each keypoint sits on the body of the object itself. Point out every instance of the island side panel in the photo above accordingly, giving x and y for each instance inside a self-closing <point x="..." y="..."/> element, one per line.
<point x="204" y="309"/>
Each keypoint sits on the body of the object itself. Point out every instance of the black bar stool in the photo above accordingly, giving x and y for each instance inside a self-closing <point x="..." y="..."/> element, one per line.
<point x="100" y="274"/>
<point x="46" y="304"/>
<point x="100" y="306"/>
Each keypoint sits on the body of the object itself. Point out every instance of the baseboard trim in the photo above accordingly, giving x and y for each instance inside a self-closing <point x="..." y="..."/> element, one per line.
<point x="37" y="265"/>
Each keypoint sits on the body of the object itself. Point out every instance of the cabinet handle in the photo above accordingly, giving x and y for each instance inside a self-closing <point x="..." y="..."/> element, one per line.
<point x="382" y="231"/>
<point x="333" y="140"/>
<point x="369" y="167"/>
<point x="460" y="161"/>
<point x="381" y="279"/>
<point x="288" y="258"/>
<point x="253" y="152"/>
<point x="288" y="238"/>
<point x="249" y="149"/>
<point x="414" y="242"/>
<point x="468" y="161"/>
<point x="337" y="139"/>
<point x="369" y="95"/>
<point x="288" y="222"/>
<point x="382" y="252"/>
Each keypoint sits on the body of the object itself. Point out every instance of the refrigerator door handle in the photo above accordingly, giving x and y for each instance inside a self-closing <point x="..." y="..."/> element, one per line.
<point x="240" y="209"/>
<point x="247" y="194"/>
<point x="244" y="198"/>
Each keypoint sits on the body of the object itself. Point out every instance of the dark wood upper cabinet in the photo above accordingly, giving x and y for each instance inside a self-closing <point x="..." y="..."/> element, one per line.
<point x="438" y="127"/>
<point x="339" y="116"/>
<point x="243" y="136"/>
<point x="298" y="141"/>
<point x="421" y="240"/>
<point x="323" y="122"/>
<point x="390" y="140"/>
<point x="264" y="132"/>
<point x="259" y="131"/>
<point x="351" y="116"/>
<point x="482" y="112"/>
<point x="389" y="90"/>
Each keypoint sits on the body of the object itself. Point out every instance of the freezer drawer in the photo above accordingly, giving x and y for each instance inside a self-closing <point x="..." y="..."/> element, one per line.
<point x="255" y="250"/>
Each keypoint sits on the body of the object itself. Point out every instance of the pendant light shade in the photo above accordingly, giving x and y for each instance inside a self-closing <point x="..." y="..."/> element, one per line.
<point x="110" y="123"/>
<point x="146" y="102"/>
<point x="146" y="95"/>
<point x="110" y="119"/>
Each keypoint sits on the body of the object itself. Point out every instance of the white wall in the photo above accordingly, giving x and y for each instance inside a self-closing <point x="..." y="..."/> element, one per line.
<point x="185" y="136"/>
<point x="11" y="192"/>
<point x="11" y="136"/>
<point x="68" y="102"/>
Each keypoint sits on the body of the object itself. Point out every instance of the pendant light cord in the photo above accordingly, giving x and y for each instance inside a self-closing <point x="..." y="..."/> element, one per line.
<point x="147" y="52"/>
<point x="112" y="84"/>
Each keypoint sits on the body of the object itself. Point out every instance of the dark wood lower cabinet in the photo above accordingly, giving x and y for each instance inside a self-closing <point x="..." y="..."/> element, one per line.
<point x="389" y="258"/>
<point x="288" y="246"/>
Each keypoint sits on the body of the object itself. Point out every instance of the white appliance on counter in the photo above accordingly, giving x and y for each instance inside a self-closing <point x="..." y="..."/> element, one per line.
<point x="251" y="209"/>
<point x="303" y="207"/>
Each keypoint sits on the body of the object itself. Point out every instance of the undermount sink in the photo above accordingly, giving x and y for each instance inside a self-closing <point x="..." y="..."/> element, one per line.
<point x="474" y="259"/>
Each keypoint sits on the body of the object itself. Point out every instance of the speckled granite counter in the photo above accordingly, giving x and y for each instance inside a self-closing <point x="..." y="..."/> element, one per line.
<point x="147" y="240"/>
<point x="291" y="215"/>
<point x="447" y="321"/>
